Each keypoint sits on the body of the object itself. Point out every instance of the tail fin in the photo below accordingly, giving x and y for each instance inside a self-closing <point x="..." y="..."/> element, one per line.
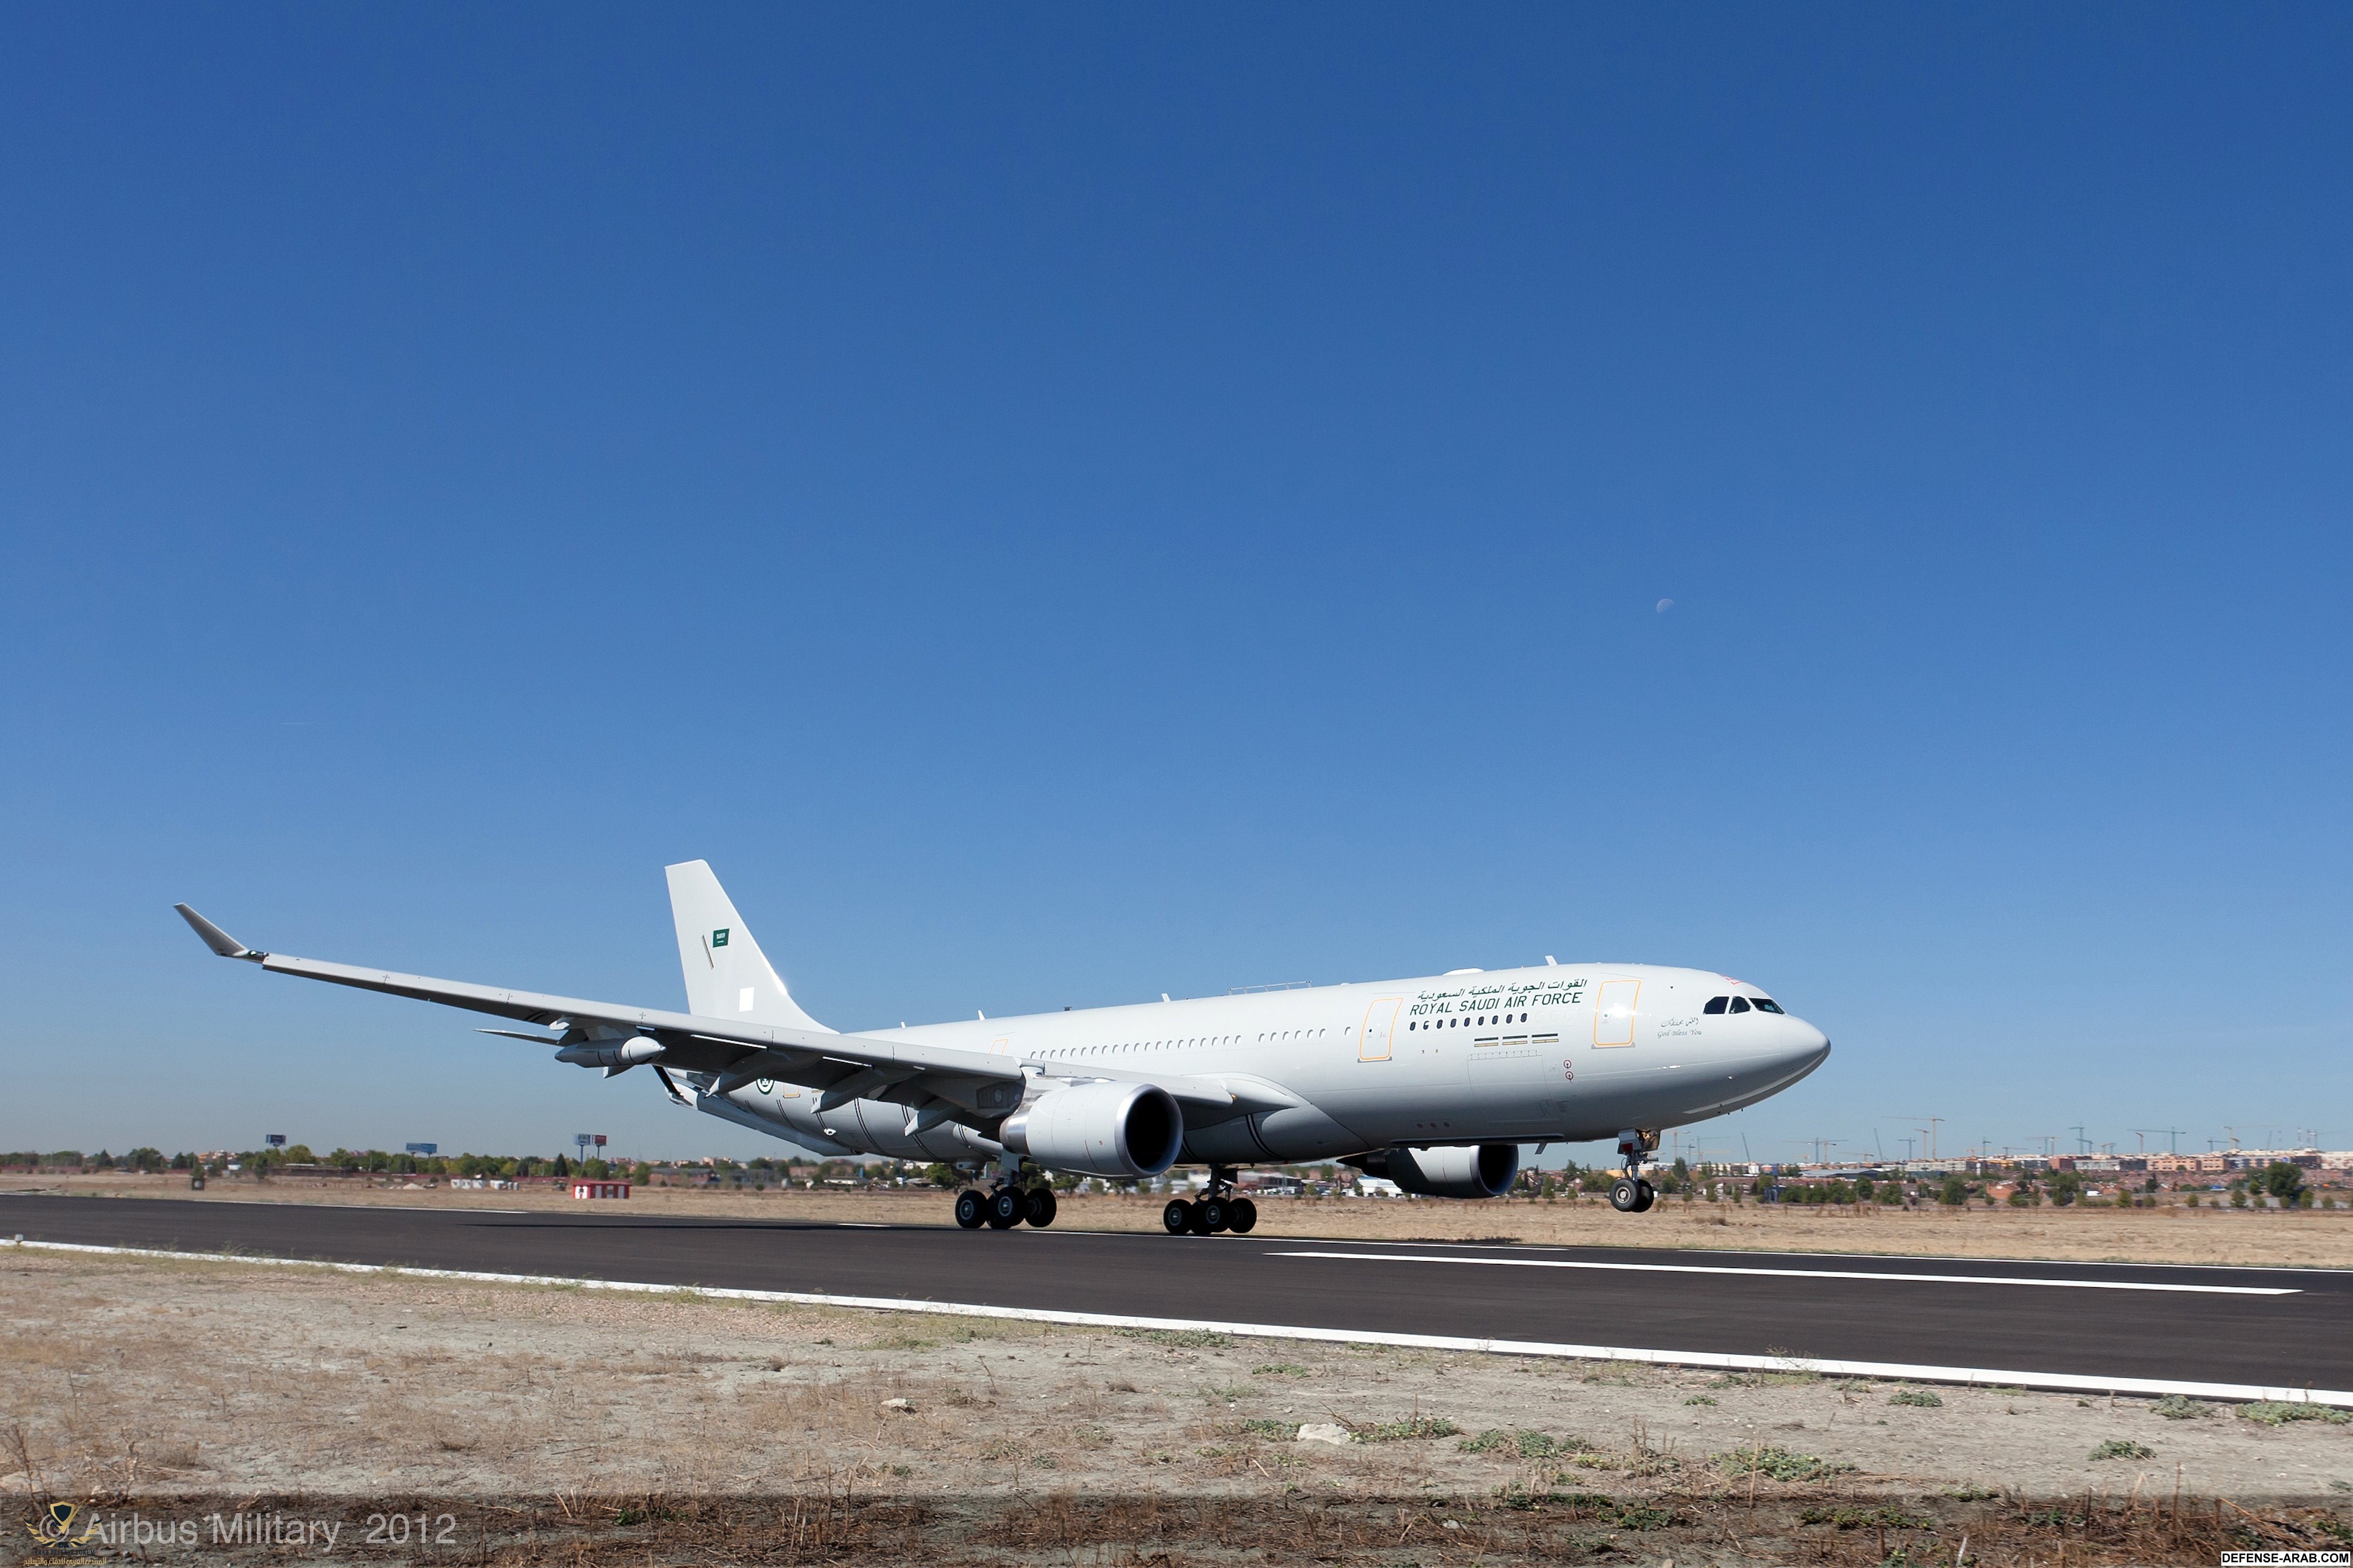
<point x="727" y="976"/>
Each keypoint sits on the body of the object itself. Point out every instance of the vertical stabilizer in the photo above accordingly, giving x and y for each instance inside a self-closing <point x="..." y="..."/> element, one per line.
<point x="727" y="976"/>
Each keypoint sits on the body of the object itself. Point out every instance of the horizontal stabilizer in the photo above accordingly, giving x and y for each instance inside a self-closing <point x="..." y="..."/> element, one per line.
<point x="219" y="941"/>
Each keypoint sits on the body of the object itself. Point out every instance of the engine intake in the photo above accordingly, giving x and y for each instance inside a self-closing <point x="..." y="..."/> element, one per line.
<point x="1480" y="1170"/>
<point x="1114" y="1129"/>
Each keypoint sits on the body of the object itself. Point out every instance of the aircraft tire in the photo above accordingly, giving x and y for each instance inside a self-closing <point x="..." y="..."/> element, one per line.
<point x="1208" y="1216"/>
<point x="1650" y="1196"/>
<point x="1004" y="1208"/>
<point x="1626" y="1196"/>
<point x="1241" y="1217"/>
<point x="1178" y="1216"/>
<point x="970" y="1209"/>
<point x="1039" y="1207"/>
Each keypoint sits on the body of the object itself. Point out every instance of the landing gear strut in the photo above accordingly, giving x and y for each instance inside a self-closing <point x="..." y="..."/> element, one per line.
<point x="1629" y="1193"/>
<point x="1218" y="1208"/>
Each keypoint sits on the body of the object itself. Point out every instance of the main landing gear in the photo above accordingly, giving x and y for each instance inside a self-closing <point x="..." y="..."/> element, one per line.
<point x="1215" y="1210"/>
<point x="1005" y="1206"/>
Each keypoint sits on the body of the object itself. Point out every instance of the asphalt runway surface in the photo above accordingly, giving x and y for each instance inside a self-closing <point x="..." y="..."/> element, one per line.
<point x="2282" y="1328"/>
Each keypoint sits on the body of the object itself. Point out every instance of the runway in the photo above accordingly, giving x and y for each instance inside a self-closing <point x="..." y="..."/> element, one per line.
<point x="2087" y="1326"/>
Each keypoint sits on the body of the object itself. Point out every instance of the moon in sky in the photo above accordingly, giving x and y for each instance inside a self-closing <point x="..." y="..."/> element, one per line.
<point x="1665" y="605"/>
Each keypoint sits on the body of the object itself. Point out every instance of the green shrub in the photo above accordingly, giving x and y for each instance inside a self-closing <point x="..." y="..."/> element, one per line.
<point x="1919" y="1396"/>
<point x="1403" y="1431"/>
<point x="2122" y="1448"/>
<point x="1778" y="1464"/>
<point x="2280" y="1412"/>
<point x="1883" y="1518"/>
<point x="2179" y="1407"/>
<point x="1491" y="1438"/>
<point x="1279" y="1431"/>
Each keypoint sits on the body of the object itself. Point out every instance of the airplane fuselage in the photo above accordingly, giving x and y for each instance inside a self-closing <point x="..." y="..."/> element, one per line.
<point x="1553" y="1053"/>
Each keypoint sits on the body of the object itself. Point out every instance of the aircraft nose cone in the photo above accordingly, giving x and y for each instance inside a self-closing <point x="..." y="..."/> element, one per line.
<point x="1809" y="1051"/>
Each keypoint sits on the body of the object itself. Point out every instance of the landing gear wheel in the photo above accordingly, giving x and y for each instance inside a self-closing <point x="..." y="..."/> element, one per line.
<point x="1004" y="1208"/>
<point x="1649" y="1195"/>
<point x="1241" y="1215"/>
<point x="1212" y="1215"/>
<point x="971" y="1209"/>
<point x="1038" y="1207"/>
<point x="1626" y="1194"/>
<point x="1178" y="1216"/>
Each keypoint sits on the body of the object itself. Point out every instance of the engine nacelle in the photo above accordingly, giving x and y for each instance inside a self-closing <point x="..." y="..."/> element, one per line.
<point x="1115" y="1129"/>
<point x="1481" y="1171"/>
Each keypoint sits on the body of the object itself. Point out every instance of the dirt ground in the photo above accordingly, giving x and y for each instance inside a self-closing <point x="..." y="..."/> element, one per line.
<point x="2305" y="1239"/>
<point x="553" y="1422"/>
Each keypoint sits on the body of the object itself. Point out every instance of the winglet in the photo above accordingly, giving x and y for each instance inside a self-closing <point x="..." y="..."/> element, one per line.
<point x="219" y="941"/>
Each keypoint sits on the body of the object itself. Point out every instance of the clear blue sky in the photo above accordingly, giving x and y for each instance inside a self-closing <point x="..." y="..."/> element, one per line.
<point x="1064" y="504"/>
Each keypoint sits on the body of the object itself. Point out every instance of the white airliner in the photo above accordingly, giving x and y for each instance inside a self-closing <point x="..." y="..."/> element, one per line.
<point x="1432" y="1083"/>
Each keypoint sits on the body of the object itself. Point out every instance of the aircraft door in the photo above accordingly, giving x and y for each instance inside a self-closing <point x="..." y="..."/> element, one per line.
<point x="1380" y="1024"/>
<point x="1614" y="1011"/>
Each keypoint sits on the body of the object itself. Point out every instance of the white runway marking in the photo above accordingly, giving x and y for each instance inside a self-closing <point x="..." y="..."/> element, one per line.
<point x="1806" y="1273"/>
<point x="1719" y="1361"/>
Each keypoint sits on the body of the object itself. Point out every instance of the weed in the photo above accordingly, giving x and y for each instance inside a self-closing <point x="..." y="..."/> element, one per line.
<point x="1281" y="1369"/>
<point x="1401" y="1431"/>
<point x="2280" y="1412"/>
<point x="1971" y="1492"/>
<point x="1733" y="1380"/>
<point x="1883" y="1518"/>
<point x="1537" y="1445"/>
<point x="1279" y="1431"/>
<point x="1793" y="1367"/>
<point x="1919" y="1396"/>
<point x="1699" y="1399"/>
<point x="1778" y="1464"/>
<point x="2179" y="1408"/>
<point x="2122" y="1448"/>
<point x="1197" y="1339"/>
<point x="1230" y="1394"/>
<point x="898" y="1339"/>
<point x="1635" y="1516"/>
<point x="1493" y="1437"/>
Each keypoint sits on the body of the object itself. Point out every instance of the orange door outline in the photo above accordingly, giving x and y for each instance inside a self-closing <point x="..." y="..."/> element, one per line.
<point x="1614" y="1012"/>
<point x="1381" y="1017"/>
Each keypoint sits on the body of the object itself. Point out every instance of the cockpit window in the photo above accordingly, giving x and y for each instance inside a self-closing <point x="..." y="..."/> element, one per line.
<point x="1715" y="1003"/>
<point x="1766" y="1005"/>
<point x="1740" y="1004"/>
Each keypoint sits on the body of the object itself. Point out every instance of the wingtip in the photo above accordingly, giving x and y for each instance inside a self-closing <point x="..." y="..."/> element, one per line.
<point x="219" y="941"/>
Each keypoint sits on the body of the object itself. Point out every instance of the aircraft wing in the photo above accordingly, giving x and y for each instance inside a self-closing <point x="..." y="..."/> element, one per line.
<point x="841" y="1068"/>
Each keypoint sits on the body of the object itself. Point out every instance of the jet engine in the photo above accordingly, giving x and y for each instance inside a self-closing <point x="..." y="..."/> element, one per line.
<point x="1115" y="1129"/>
<point x="1481" y="1171"/>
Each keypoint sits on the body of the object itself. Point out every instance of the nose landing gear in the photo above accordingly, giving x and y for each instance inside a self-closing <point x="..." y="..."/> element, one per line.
<point x="1629" y="1193"/>
<point x="1217" y="1209"/>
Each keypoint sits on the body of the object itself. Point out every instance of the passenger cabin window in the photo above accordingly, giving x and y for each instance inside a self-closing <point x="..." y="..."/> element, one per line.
<point x="1715" y="1003"/>
<point x="1766" y="1005"/>
<point x="1740" y="1004"/>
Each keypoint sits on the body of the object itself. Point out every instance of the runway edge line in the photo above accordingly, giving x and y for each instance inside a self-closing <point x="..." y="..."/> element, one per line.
<point x="1967" y="1377"/>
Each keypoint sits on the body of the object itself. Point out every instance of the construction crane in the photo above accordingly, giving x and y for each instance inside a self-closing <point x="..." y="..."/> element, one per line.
<point x="1928" y="1133"/>
<point x="2172" y="1136"/>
